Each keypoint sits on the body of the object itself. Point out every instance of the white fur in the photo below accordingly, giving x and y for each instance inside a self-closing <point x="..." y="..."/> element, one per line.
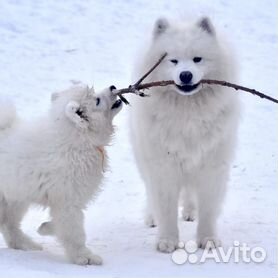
<point x="184" y="142"/>
<point x="55" y="161"/>
<point x="7" y="113"/>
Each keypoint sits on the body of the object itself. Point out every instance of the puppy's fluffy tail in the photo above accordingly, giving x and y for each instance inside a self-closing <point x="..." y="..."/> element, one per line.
<point x="7" y="113"/>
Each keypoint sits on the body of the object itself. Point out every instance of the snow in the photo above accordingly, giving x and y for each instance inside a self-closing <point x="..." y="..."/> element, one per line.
<point x="47" y="45"/>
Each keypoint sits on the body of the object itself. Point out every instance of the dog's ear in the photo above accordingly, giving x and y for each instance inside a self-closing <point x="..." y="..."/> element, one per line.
<point x="160" y="26"/>
<point x="205" y="24"/>
<point x="54" y="96"/>
<point x="76" y="114"/>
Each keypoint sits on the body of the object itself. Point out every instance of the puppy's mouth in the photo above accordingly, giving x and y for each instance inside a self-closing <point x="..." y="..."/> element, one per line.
<point x="187" y="88"/>
<point x="116" y="104"/>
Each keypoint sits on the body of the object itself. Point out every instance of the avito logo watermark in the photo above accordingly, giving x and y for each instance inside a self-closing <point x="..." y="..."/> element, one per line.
<point x="187" y="253"/>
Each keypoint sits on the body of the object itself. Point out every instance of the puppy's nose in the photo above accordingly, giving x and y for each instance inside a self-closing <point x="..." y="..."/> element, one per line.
<point x="186" y="77"/>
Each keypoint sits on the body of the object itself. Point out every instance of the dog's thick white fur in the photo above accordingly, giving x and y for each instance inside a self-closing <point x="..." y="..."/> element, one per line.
<point x="184" y="135"/>
<point x="56" y="161"/>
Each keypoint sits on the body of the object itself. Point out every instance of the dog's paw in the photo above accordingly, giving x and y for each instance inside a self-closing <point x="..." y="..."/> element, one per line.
<point x="86" y="257"/>
<point x="46" y="229"/>
<point x="25" y="243"/>
<point x="167" y="245"/>
<point x="149" y="221"/>
<point x="209" y="243"/>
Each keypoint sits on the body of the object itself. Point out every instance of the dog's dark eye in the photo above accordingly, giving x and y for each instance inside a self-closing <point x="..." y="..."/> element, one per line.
<point x="174" y="61"/>
<point x="97" y="101"/>
<point x="197" y="59"/>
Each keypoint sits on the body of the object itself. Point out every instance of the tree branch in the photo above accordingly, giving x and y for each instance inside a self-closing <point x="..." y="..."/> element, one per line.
<point x="204" y="81"/>
<point x="135" y="88"/>
<point x="238" y="87"/>
<point x="138" y="86"/>
<point x="150" y="71"/>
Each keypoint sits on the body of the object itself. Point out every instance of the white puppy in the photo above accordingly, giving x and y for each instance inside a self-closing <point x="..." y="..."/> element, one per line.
<point x="184" y="134"/>
<point x="57" y="162"/>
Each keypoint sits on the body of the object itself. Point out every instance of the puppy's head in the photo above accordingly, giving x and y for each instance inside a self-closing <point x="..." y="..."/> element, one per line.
<point x="82" y="109"/>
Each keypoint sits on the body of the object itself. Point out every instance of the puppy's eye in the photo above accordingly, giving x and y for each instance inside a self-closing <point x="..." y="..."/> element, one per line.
<point x="174" y="61"/>
<point x="97" y="101"/>
<point x="197" y="59"/>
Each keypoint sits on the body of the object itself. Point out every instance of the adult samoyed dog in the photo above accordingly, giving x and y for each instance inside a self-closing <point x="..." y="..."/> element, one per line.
<point x="184" y="134"/>
<point x="56" y="161"/>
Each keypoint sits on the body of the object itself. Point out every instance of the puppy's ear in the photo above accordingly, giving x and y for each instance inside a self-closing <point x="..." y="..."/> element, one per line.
<point x="91" y="90"/>
<point x="205" y="24"/>
<point x="54" y="96"/>
<point x="160" y="26"/>
<point x="76" y="114"/>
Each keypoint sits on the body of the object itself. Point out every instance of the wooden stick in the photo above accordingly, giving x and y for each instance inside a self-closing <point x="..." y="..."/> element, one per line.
<point x="204" y="81"/>
<point x="238" y="87"/>
<point x="150" y="71"/>
<point x="136" y="87"/>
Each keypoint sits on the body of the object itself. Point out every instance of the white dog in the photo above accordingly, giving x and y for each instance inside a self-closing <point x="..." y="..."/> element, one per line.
<point x="184" y="134"/>
<point x="57" y="162"/>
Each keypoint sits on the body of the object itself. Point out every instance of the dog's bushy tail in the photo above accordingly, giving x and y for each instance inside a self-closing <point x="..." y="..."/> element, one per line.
<point x="7" y="113"/>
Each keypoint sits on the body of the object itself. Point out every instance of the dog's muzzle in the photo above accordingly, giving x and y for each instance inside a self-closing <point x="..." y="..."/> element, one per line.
<point x="187" y="88"/>
<point x="116" y="104"/>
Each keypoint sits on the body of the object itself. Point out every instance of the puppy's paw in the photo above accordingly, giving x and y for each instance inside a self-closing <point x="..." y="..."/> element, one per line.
<point x="46" y="229"/>
<point x="85" y="257"/>
<point x="209" y="243"/>
<point x="166" y="245"/>
<point x="25" y="243"/>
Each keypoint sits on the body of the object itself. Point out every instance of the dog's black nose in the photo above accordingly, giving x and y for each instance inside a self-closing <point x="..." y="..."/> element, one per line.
<point x="186" y="77"/>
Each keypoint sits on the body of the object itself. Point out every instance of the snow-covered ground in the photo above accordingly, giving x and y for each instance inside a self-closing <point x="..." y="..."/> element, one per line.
<point x="46" y="45"/>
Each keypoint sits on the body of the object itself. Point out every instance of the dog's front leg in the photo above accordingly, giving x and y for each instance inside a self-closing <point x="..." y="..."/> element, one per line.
<point x="164" y="195"/>
<point x="68" y="225"/>
<point x="211" y="186"/>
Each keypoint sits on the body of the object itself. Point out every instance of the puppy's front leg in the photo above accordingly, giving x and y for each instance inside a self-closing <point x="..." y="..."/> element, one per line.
<point x="68" y="225"/>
